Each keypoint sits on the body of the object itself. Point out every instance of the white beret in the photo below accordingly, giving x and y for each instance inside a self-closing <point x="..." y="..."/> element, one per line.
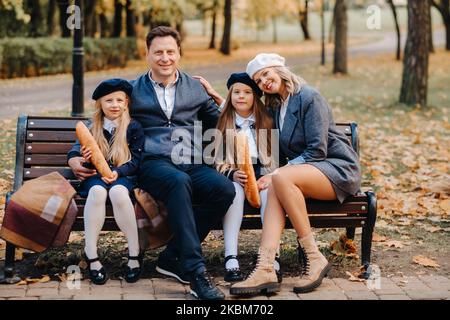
<point x="264" y="60"/>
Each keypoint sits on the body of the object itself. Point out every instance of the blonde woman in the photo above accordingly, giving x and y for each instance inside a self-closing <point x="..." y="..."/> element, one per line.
<point x="316" y="161"/>
<point x="121" y="141"/>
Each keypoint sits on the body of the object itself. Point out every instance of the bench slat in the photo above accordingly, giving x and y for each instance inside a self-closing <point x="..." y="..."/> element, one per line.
<point x="48" y="148"/>
<point x="52" y="123"/>
<point x="55" y="136"/>
<point x="31" y="173"/>
<point x="316" y="222"/>
<point x="46" y="160"/>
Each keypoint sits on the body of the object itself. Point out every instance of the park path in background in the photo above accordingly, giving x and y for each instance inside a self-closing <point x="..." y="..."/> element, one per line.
<point x="34" y="96"/>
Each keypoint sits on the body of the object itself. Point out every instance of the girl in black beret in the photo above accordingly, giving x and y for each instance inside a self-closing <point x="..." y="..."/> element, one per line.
<point x="121" y="140"/>
<point x="242" y="111"/>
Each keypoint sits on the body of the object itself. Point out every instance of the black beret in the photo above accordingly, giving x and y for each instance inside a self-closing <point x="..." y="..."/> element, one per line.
<point x="242" y="77"/>
<point x="112" y="85"/>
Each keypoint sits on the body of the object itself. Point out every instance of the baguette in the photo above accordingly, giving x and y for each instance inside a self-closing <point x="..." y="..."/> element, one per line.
<point x="245" y="164"/>
<point x="87" y="140"/>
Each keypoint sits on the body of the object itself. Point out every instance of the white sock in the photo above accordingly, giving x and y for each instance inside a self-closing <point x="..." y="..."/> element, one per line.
<point x="94" y="218"/>
<point x="232" y="225"/>
<point x="126" y="219"/>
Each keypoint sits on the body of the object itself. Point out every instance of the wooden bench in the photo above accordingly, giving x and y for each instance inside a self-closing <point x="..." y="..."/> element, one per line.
<point x="43" y="142"/>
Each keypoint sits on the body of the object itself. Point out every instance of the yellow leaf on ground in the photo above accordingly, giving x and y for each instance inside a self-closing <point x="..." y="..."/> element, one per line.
<point x="394" y="244"/>
<point x="44" y="279"/>
<point x="426" y="262"/>
<point x="352" y="277"/>
<point x="445" y="205"/>
<point x="377" y="238"/>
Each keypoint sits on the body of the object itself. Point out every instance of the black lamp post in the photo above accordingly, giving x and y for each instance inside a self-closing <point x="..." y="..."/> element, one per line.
<point x="322" y="62"/>
<point x="78" y="65"/>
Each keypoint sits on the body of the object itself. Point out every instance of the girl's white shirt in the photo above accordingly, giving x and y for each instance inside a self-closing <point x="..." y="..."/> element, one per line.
<point x="109" y="125"/>
<point x="244" y="124"/>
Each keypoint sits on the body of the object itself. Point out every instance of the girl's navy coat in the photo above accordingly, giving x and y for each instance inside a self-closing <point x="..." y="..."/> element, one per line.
<point x="135" y="139"/>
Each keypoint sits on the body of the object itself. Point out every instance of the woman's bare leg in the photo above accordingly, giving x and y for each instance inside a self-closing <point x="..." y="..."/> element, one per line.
<point x="274" y="221"/>
<point x="292" y="184"/>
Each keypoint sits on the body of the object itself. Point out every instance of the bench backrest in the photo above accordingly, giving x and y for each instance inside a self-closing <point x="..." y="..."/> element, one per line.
<point x="43" y="142"/>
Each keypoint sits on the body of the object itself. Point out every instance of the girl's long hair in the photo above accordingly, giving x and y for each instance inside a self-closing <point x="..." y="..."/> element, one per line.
<point x="291" y="81"/>
<point x="227" y="126"/>
<point x="118" y="152"/>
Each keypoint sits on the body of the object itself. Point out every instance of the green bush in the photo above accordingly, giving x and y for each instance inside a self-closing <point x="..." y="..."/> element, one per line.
<point x="27" y="57"/>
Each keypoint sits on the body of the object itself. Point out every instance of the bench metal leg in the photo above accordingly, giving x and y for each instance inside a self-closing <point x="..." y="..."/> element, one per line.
<point x="367" y="231"/>
<point x="350" y="233"/>
<point x="10" y="254"/>
<point x="10" y="277"/>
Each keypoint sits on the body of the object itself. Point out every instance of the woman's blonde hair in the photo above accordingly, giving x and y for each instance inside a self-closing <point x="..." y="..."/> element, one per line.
<point x="227" y="125"/>
<point x="118" y="153"/>
<point x="291" y="81"/>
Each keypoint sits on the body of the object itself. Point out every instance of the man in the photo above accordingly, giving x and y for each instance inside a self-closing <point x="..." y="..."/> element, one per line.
<point x="165" y="100"/>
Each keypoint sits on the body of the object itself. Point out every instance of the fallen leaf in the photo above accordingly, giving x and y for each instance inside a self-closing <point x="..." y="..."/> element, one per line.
<point x="394" y="244"/>
<point x="424" y="261"/>
<point x="353" y="277"/>
<point x="344" y="247"/>
<point x="432" y="229"/>
<point x="62" y="277"/>
<point x="377" y="238"/>
<point x="445" y="205"/>
<point x="44" y="279"/>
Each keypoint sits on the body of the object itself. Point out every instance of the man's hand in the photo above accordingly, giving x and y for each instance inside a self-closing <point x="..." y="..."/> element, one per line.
<point x="111" y="180"/>
<point x="82" y="173"/>
<point x="210" y="90"/>
<point x="264" y="182"/>
<point x="240" y="177"/>
<point x="87" y="154"/>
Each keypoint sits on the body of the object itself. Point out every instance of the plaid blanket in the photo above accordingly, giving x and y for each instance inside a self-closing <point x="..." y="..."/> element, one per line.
<point x="153" y="225"/>
<point x="40" y="214"/>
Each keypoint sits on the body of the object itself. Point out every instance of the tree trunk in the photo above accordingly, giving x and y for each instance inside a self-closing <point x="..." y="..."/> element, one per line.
<point x="36" y="17"/>
<point x="303" y="18"/>
<point x="212" y="42"/>
<point x="332" y="25"/>
<point x="340" y="38"/>
<point x="430" y="29"/>
<point x="397" y="28"/>
<point x="117" y="24"/>
<point x="274" y="26"/>
<point x="415" y="61"/>
<point x="131" y="20"/>
<point x="51" y="17"/>
<point x="225" y="47"/>
<point x="89" y="18"/>
<point x="103" y="25"/>
<point x="63" y="17"/>
<point x="444" y="9"/>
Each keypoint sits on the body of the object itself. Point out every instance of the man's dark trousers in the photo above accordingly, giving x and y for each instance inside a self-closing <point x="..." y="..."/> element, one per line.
<point x="178" y="187"/>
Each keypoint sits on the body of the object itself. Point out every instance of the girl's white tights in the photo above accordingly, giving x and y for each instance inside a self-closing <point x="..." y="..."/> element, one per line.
<point x="94" y="218"/>
<point x="232" y="224"/>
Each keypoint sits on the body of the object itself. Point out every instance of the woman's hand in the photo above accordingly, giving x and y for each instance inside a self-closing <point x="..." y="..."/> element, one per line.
<point x="111" y="180"/>
<point x="240" y="177"/>
<point x="210" y="90"/>
<point x="87" y="154"/>
<point x="264" y="182"/>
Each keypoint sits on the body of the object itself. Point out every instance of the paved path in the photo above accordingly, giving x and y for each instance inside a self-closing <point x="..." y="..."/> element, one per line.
<point x="395" y="288"/>
<point x="37" y="95"/>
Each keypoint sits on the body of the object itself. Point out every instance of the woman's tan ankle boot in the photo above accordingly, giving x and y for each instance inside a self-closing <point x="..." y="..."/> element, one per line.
<point x="314" y="267"/>
<point x="263" y="278"/>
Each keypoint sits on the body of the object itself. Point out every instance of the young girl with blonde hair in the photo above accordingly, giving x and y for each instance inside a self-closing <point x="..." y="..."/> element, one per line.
<point x="121" y="140"/>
